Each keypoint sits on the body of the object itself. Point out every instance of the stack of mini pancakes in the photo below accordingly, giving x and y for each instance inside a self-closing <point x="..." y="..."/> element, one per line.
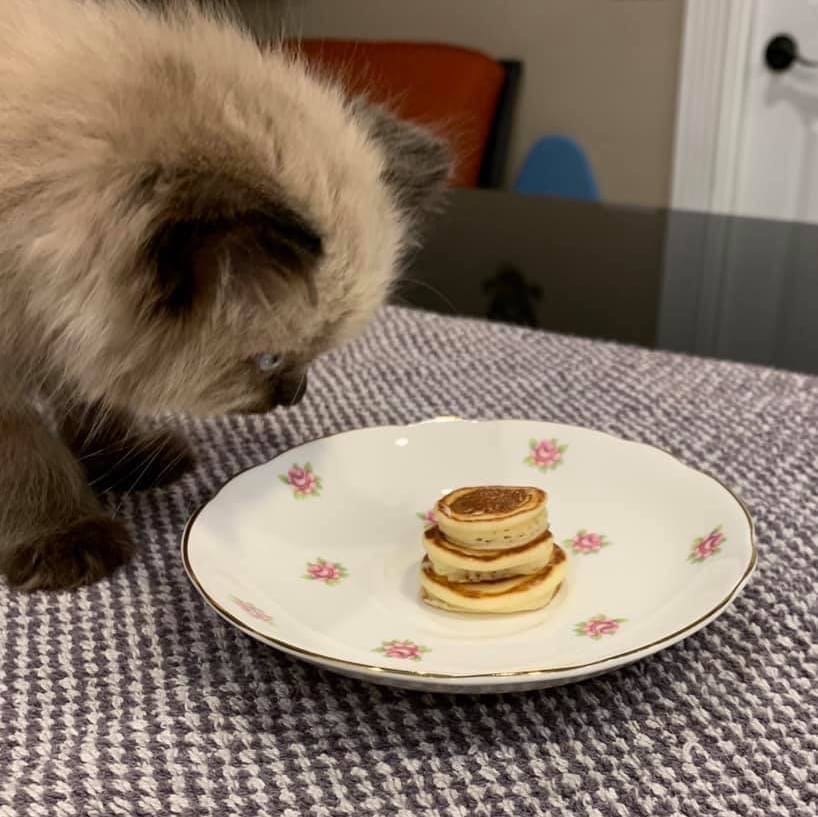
<point x="491" y="552"/>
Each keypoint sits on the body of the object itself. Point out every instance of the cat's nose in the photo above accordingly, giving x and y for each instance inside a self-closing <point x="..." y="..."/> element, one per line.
<point x="289" y="389"/>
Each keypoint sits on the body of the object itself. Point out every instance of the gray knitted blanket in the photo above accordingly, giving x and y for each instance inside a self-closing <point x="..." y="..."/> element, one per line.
<point x="133" y="698"/>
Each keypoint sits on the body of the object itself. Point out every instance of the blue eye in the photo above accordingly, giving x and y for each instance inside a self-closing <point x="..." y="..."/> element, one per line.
<point x="268" y="363"/>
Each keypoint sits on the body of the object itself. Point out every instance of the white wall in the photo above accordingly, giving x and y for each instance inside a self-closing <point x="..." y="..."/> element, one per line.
<point x="602" y="71"/>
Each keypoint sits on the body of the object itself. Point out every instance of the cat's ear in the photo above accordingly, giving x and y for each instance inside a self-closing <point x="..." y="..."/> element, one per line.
<point x="202" y="247"/>
<point x="418" y="162"/>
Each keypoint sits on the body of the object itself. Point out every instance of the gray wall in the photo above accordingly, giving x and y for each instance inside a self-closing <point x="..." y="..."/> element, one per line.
<point x="603" y="71"/>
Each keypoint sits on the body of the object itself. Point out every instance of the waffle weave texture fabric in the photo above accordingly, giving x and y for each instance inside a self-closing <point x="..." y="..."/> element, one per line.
<point x="131" y="697"/>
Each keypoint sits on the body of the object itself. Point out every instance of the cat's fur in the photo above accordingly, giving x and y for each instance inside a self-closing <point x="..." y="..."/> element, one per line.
<point x="174" y="201"/>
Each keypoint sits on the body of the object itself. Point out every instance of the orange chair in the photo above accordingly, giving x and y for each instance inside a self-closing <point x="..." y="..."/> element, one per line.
<point x="466" y="95"/>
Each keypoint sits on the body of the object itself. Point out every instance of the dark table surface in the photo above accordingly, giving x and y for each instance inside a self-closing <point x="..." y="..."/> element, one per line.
<point x="722" y="286"/>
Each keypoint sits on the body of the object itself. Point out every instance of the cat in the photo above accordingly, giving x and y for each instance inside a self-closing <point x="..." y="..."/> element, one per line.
<point x="186" y="220"/>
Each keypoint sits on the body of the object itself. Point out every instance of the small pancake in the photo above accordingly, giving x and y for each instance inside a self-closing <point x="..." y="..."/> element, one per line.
<point x="459" y="564"/>
<point x="492" y="517"/>
<point x="512" y="595"/>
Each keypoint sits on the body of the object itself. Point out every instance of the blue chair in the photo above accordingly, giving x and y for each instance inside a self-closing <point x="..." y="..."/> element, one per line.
<point x="557" y="166"/>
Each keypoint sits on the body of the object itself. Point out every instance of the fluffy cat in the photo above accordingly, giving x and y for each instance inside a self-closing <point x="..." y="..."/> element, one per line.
<point x="186" y="220"/>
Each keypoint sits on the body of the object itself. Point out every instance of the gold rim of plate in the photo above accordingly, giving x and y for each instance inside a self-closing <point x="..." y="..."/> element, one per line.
<point x="358" y="666"/>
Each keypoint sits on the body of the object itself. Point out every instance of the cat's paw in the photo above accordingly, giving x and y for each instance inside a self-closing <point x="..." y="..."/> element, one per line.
<point x="83" y="552"/>
<point x="138" y="461"/>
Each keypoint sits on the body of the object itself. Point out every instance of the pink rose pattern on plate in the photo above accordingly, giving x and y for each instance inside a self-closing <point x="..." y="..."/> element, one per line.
<point x="706" y="546"/>
<point x="428" y="519"/>
<point x="544" y="454"/>
<point x="403" y="650"/>
<point x="330" y="573"/>
<point x="598" y="626"/>
<point x="302" y="480"/>
<point x="251" y="609"/>
<point x="586" y="541"/>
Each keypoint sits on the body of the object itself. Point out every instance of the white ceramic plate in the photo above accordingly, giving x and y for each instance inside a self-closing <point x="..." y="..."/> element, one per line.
<point x="316" y="553"/>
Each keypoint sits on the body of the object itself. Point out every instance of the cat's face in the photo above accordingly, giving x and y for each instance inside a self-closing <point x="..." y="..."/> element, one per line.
<point x="233" y="218"/>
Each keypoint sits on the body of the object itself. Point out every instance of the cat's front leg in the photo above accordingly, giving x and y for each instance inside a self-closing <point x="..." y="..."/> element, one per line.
<point x="54" y="534"/>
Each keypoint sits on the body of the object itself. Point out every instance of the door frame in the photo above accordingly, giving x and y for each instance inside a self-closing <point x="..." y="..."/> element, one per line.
<point x="713" y="80"/>
<point x="700" y="265"/>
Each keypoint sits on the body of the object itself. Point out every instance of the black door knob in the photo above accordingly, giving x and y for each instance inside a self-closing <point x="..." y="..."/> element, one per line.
<point x="781" y="53"/>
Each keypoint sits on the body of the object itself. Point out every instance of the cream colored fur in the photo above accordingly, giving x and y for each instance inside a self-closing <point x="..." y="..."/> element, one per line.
<point x="174" y="203"/>
<point x="90" y="95"/>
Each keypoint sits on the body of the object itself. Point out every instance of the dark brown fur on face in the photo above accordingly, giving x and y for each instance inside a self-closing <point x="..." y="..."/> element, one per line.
<point x="184" y="225"/>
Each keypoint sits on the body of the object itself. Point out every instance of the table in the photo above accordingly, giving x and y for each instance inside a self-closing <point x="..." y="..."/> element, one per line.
<point x="734" y="288"/>
<point x="132" y="698"/>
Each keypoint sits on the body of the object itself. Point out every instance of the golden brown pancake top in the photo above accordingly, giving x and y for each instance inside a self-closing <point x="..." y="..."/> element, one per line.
<point x="490" y="500"/>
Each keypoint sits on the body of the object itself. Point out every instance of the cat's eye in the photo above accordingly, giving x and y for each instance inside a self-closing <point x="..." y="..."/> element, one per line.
<point x="268" y="363"/>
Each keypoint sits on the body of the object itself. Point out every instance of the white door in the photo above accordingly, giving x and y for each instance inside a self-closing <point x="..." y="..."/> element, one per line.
<point x="740" y="279"/>
<point x="777" y="167"/>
